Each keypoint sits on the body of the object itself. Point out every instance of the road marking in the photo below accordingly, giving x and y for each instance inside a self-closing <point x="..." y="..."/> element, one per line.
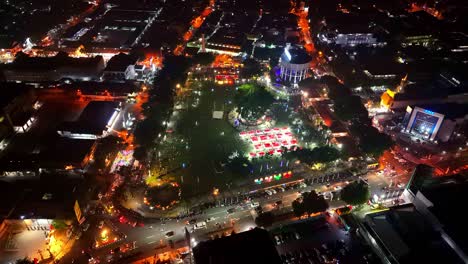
<point x="152" y="242"/>
<point x="150" y="236"/>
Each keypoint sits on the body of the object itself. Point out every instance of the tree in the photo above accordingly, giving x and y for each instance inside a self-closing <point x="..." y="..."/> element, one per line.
<point x="319" y="154"/>
<point x="203" y="58"/>
<point x="355" y="193"/>
<point x="309" y="203"/>
<point x="265" y="219"/>
<point x="326" y="154"/>
<point x="371" y="141"/>
<point x="309" y="83"/>
<point x="106" y="146"/>
<point x="251" y="68"/>
<point x="24" y="260"/>
<point x="240" y="166"/>
<point x="350" y="107"/>
<point x="253" y="100"/>
<point x="59" y="224"/>
<point x="298" y="208"/>
<point x="140" y="153"/>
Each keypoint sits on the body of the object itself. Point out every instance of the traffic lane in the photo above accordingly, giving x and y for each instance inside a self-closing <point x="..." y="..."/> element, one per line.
<point x="146" y="237"/>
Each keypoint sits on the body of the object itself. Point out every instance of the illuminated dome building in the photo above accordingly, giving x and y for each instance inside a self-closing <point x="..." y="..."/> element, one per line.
<point x="294" y="64"/>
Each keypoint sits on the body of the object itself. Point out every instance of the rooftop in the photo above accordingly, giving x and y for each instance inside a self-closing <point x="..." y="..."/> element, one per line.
<point x="42" y="198"/>
<point x="120" y="62"/>
<point x="55" y="155"/>
<point x="407" y="235"/>
<point x="445" y="196"/>
<point x="93" y="119"/>
<point x="295" y="55"/>
<point x="250" y="247"/>
<point x="450" y="110"/>
<point x="10" y="91"/>
<point x="52" y="63"/>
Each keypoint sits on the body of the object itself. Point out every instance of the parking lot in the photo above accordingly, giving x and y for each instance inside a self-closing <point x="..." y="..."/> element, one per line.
<point x="318" y="240"/>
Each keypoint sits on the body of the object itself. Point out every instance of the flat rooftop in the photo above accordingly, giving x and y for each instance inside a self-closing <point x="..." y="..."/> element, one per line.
<point x="120" y="62"/>
<point x="61" y="60"/>
<point x="93" y="119"/>
<point x="450" y="110"/>
<point x="447" y="197"/>
<point x="60" y="152"/>
<point x="9" y="91"/>
<point x="409" y="237"/>
<point x="117" y="28"/>
<point x="295" y="55"/>
<point x="250" y="247"/>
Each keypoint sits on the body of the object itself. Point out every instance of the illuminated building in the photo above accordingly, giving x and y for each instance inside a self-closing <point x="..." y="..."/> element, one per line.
<point x="121" y="67"/>
<point x="349" y="30"/>
<point x="417" y="39"/>
<point x="96" y="121"/>
<point x="16" y="107"/>
<point x="57" y="68"/>
<point x="428" y="228"/>
<point x="113" y="31"/>
<point x="294" y="64"/>
<point x="434" y="122"/>
<point x="349" y="39"/>
<point x="225" y="42"/>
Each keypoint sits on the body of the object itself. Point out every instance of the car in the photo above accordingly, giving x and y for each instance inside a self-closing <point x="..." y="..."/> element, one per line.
<point x="209" y="219"/>
<point x="268" y="192"/>
<point x="192" y="221"/>
<point x="78" y="235"/>
<point x="169" y="234"/>
<point x="255" y="204"/>
<point x="273" y="191"/>
<point x="277" y="240"/>
<point x="231" y="210"/>
<point x="85" y="226"/>
<point x="401" y="185"/>
<point x="296" y="234"/>
<point x="199" y="225"/>
<point x="101" y="224"/>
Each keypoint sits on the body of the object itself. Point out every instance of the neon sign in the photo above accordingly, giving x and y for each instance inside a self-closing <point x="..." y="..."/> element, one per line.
<point x="429" y="112"/>
<point x="276" y="177"/>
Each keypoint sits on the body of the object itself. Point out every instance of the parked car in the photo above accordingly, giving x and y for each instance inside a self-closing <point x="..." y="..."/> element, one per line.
<point x="85" y="226"/>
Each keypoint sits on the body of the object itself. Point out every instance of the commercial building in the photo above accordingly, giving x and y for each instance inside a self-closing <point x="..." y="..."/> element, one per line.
<point x="96" y="121"/>
<point x="434" y="122"/>
<point x="253" y="246"/>
<point x="48" y="69"/>
<point x="294" y="64"/>
<point x="16" y="107"/>
<point x="111" y="32"/>
<point x="103" y="91"/>
<point x="429" y="229"/>
<point x="225" y="41"/>
<point x="61" y="155"/>
<point x="349" y="30"/>
<point x="121" y="67"/>
<point x="349" y="39"/>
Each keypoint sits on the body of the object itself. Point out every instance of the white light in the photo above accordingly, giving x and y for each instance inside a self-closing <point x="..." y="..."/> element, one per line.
<point x="286" y="51"/>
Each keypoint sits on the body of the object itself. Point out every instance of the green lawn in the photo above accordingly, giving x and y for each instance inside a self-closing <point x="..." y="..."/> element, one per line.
<point x="200" y="142"/>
